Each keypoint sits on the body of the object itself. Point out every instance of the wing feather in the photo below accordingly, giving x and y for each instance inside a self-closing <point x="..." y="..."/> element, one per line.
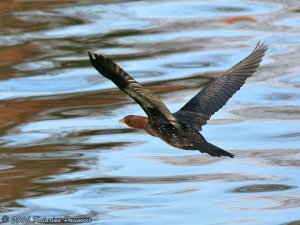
<point x="215" y="95"/>
<point x="152" y="105"/>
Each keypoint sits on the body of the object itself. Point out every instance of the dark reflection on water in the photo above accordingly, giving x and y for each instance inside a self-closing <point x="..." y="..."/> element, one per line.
<point x="262" y="188"/>
<point x="63" y="152"/>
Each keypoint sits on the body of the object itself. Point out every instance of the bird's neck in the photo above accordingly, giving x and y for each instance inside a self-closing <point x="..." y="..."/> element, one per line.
<point x="140" y="122"/>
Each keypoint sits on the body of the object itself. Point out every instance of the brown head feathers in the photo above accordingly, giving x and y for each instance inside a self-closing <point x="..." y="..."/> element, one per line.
<point x="137" y="122"/>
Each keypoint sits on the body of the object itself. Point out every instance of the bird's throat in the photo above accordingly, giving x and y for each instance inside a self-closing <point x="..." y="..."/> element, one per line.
<point x="139" y="122"/>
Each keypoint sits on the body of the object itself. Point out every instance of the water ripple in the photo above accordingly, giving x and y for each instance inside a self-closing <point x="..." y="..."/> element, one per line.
<point x="63" y="152"/>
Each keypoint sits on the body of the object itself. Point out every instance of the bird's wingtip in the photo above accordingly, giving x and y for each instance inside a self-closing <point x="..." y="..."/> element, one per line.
<point x="261" y="46"/>
<point x="95" y="55"/>
<point x="90" y="55"/>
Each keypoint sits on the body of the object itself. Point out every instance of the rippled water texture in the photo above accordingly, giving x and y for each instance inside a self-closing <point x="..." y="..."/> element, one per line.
<point x="63" y="152"/>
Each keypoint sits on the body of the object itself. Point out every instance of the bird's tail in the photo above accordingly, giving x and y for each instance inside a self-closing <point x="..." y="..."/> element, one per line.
<point x="213" y="150"/>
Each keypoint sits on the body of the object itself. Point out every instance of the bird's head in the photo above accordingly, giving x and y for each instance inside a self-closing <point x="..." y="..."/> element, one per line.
<point x="137" y="122"/>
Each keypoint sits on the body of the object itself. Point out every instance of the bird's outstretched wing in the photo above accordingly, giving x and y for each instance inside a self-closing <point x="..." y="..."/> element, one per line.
<point x="152" y="105"/>
<point x="215" y="95"/>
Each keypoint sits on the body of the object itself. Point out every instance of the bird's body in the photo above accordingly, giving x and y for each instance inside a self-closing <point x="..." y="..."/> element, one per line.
<point x="181" y="129"/>
<point x="179" y="136"/>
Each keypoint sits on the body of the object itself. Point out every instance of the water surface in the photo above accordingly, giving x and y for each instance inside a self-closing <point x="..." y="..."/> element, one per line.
<point x="63" y="152"/>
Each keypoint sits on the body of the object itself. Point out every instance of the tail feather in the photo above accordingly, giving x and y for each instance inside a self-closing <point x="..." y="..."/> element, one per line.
<point x="213" y="150"/>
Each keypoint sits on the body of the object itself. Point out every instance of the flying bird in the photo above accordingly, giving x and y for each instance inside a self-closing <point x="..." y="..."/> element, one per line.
<point x="181" y="129"/>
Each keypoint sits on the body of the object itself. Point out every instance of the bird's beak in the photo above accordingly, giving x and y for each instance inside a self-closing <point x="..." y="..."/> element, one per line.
<point x="122" y="121"/>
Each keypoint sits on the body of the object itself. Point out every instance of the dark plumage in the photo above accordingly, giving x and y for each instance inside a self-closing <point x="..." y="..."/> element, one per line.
<point x="181" y="129"/>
